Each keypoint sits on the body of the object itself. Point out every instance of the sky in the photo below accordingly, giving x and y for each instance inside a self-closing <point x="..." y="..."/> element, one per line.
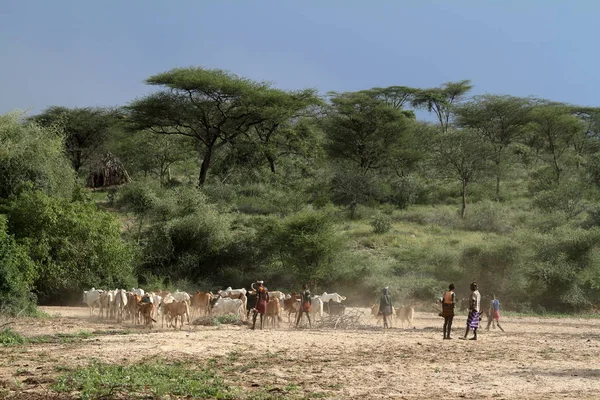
<point x="80" y="53"/>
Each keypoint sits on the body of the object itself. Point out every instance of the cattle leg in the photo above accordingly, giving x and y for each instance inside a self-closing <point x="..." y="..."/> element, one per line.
<point x="254" y="319"/>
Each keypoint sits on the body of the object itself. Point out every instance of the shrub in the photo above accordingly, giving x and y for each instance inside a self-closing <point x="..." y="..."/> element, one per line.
<point x="73" y="244"/>
<point x="8" y="337"/>
<point x="486" y="216"/>
<point x="381" y="223"/>
<point x="33" y="157"/>
<point x="17" y="274"/>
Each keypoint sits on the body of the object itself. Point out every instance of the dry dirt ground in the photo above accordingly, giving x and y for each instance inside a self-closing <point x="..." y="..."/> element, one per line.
<point x="537" y="358"/>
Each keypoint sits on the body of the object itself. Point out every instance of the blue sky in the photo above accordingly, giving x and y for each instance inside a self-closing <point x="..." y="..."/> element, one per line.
<point x="98" y="52"/>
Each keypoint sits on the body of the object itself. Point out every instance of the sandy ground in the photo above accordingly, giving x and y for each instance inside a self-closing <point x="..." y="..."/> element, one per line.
<point x="537" y="358"/>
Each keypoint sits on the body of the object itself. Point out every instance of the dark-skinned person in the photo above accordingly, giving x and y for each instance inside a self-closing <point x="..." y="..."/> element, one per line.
<point x="305" y="303"/>
<point x="474" y="312"/>
<point x="494" y="313"/>
<point x="448" y="301"/>
<point x="386" y="307"/>
<point x="262" y="298"/>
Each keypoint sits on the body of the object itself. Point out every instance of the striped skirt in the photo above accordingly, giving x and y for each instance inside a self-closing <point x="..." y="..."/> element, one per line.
<point x="473" y="319"/>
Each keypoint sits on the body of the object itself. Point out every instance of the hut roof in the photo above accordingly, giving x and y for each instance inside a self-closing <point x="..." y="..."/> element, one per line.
<point x="108" y="171"/>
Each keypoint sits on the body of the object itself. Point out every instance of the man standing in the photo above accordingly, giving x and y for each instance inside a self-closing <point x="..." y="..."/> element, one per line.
<point x="448" y="303"/>
<point x="305" y="303"/>
<point x="262" y="298"/>
<point x="385" y="306"/>
<point x="494" y="313"/>
<point x="474" y="312"/>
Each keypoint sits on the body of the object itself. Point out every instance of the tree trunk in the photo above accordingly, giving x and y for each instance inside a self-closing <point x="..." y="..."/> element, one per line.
<point x="497" y="186"/>
<point x="205" y="166"/>
<point x="271" y="163"/>
<point x="464" y="199"/>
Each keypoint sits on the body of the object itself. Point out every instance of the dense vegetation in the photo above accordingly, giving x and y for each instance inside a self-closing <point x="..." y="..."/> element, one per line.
<point x="234" y="180"/>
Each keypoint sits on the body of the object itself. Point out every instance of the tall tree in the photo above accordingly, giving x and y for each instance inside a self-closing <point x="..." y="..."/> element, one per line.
<point x="441" y="100"/>
<point x="500" y="120"/>
<point x="283" y="130"/>
<point x="395" y="96"/>
<point x="86" y="129"/>
<point x="552" y="134"/>
<point x="212" y="106"/>
<point x="462" y="154"/>
<point x="363" y="130"/>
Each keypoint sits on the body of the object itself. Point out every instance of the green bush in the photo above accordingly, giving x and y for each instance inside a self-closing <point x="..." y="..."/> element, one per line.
<point x="17" y="274"/>
<point x="381" y="223"/>
<point x="8" y="337"/>
<point x="73" y="244"/>
<point x="33" y="157"/>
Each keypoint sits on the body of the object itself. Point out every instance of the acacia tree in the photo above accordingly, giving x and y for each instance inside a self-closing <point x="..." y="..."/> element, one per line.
<point x="463" y="155"/>
<point x="441" y="100"/>
<point x="362" y="130"/>
<point x="500" y="120"/>
<point x="86" y="129"/>
<point x="284" y="131"/>
<point x="212" y="106"/>
<point x="395" y="96"/>
<point x="553" y="131"/>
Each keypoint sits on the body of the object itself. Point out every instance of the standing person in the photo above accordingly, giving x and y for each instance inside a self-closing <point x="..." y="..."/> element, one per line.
<point x="385" y="306"/>
<point x="448" y="304"/>
<point x="474" y="312"/>
<point x="262" y="298"/>
<point x="305" y="303"/>
<point x="494" y="313"/>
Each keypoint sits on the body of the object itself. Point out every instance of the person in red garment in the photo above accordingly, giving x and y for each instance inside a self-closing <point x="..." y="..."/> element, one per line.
<point x="262" y="298"/>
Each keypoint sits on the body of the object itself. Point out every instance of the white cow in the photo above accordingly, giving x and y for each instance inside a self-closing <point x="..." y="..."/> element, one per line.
<point x="139" y="292"/>
<point x="92" y="299"/>
<point x="316" y="307"/>
<point x="229" y="292"/>
<point x="332" y="296"/>
<point x="120" y="303"/>
<point x="156" y="300"/>
<point x="228" y="306"/>
<point x="182" y="296"/>
<point x="106" y="303"/>
<point x="277" y="294"/>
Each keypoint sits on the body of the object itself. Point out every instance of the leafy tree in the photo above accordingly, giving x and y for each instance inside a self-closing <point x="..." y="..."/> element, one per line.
<point x="153" y="154"/>
<point x="441" y="100"/>
<point x="32" y="156"/>
<point x="86" y="129"/>
<point x="17" y="274"/>
<point x="73" y="244"/>
<point x="363" y="130"/>
<point x="283" y="132"/>
<point x="212" y="106"/>
<point x="462" y="154"/>
<point x="306" y="243"/>
<point x="500" y="120"/>
<point x="395" y="97"/>
<point x="553" y="131"/>
<point x="141" y="200"/>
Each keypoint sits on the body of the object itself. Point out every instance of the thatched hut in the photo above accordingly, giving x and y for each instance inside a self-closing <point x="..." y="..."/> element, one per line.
<point x="109" y="171"/>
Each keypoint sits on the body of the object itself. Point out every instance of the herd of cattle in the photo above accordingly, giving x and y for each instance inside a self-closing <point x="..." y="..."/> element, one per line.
<point x="141" y="307"/>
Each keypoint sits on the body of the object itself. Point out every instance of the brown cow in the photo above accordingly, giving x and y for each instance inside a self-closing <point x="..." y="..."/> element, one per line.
<point x="406" y="314"/>
<point x="292" y="305"/>
<point x="273" y="313"/>
<point x="200" y="302"/>
<point x="379" y="318"/>
<point x="132" y="307"/>
<point x="145" y="310"/>
<point x="174" y="310"/>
